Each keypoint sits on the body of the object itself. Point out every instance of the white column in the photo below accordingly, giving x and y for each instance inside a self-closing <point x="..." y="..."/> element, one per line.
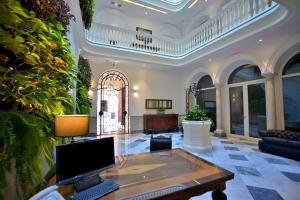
<point x="219" y="131"/>
<point x="270" y="100"/>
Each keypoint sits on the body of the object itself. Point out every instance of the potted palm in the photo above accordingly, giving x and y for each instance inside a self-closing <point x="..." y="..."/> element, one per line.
<point x="196" y="126"/>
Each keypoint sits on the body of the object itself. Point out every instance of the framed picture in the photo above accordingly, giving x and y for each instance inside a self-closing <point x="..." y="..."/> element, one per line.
<point x="158" y="103"/>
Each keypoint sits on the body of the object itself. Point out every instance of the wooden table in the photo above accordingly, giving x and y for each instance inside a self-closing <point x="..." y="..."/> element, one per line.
<point x="141" y="173"/>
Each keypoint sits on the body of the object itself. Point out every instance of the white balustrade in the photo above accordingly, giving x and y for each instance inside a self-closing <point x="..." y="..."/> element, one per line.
<point x="228" y="19"/>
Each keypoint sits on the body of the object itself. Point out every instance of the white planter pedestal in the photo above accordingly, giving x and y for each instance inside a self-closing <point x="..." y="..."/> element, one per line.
<point x="197" y="136"/>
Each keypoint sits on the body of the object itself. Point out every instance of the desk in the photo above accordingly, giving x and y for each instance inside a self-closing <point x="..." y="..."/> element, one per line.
<point x="145" y="172"/>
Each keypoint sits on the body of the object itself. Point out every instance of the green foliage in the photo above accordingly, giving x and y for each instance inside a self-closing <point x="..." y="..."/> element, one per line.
<point x="87" y="12"/>
<point x="25" y="138"/>
<point x="83" y="102"/>
<point x="36" y="73"/>
<point x="195" y="114"/>
<point x="161" y="109"/>
<point x="48" y="10"/>
<point x="84" y="82"/>
<point x="85" y="73"/>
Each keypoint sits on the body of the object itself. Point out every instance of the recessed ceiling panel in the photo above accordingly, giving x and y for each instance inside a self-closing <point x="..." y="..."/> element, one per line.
<point x="171" y="5"/>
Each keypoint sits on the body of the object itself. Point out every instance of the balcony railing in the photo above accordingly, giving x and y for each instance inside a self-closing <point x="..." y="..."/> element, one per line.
<point x="229" y="19"/>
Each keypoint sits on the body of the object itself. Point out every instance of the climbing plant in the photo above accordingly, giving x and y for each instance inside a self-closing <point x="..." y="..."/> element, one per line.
<point x="84" y="83"/>
<point x="36" y="73"/>
<point x="87" y="12"/>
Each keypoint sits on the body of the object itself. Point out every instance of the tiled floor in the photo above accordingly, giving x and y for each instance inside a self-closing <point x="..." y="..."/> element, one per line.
<point x="258" y="176"/>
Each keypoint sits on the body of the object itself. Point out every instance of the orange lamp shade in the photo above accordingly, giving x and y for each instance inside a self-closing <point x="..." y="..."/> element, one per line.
<point x="71" y="125"/>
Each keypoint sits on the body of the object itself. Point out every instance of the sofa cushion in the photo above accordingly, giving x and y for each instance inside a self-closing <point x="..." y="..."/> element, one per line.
<point x="294" y="144"/>
<point x="286" y="134"/>
<point x="276" y="140"/>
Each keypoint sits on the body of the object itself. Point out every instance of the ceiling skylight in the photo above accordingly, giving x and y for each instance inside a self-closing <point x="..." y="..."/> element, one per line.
<point x="171" y="5"/>
<point x="174" y="2"/>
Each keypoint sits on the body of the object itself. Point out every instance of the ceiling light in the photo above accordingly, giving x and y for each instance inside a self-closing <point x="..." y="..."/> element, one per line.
<point x="144" y="6"/>
<point x="260" y="40"/>
<point x="193" y="4"/>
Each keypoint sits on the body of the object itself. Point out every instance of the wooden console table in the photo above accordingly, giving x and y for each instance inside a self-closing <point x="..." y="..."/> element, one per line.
<point x="145" y="173"/>
<point x="160" y="123"/>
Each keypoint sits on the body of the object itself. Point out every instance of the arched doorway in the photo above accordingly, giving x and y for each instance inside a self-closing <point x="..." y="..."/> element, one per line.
<point x="247" y="101"/>
<point x="112" y="105"/>
<point x="291" y="94"/>
<point x="206" y="98"/>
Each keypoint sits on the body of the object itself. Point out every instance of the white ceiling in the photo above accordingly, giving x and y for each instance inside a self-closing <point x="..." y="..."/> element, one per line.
<point x="185" y="20"/>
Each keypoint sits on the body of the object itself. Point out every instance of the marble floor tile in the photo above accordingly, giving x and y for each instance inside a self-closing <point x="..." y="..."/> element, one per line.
<point x="237" y="157"/>
<point x="231" y="148"/>
<point x="264" y="193"/>
<point x="247" y="171"/>
<point x="293" y="176"/>
<point x="140" y="140"/>
<point x="226" y="142"/>
<point x="276" y="161"/>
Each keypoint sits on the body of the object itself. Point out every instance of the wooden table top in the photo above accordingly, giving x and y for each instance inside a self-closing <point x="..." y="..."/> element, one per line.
<point x="140" y="173"/>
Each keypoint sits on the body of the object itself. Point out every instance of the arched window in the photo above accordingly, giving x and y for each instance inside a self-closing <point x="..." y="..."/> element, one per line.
<point x="205" y="82"/>
<point x="293" y="65"/>
<point x="206" y="97"/>
<point x="245" y="73"/>
<point x="291" y="94"/>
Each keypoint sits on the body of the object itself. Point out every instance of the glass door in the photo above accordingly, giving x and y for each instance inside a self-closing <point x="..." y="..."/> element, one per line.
<point x="236" y="110"/>
<point x="247" y="109"/>
<point x="257" y="109"/>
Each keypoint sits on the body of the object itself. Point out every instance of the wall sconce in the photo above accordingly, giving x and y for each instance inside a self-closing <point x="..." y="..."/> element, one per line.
<point x="90" y="92"/>
<point x="135" y="91"/>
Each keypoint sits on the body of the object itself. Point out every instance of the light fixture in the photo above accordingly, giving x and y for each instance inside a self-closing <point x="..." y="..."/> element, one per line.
<point x="90" y="92"/>
<point x="144" y="6"/>
<point x="146" y="13"/>
<point x="260" y="40"/>
<point x="190" y="6"/>
<point x="71" y="125"/>
<point x="135" y="90"/>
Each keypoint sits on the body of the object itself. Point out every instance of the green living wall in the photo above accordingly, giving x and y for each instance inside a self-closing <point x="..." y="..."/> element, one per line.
<point x="83" y="84"/>
<point x="36" y="73"/>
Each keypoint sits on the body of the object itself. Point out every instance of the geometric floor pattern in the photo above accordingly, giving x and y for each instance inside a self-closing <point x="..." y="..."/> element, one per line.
<point x="257" y="175"/>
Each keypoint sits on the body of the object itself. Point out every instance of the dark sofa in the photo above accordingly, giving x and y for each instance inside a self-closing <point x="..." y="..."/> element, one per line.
<point x="284" y="143"/>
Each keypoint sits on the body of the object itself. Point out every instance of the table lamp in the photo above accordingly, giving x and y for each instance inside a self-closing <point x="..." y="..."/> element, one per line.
<point x="71" y="125"/>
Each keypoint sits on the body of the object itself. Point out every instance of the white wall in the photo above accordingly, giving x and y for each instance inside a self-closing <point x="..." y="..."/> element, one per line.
<point x="151" y="84"/>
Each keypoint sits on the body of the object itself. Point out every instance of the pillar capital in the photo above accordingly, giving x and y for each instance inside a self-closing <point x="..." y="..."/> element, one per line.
<point x="268" y="75"/>
<point x="218" y="85"/>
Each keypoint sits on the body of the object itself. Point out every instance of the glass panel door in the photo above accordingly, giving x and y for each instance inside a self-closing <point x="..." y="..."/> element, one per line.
<point x="236" y="110"/>
<point x="257" y="108"/>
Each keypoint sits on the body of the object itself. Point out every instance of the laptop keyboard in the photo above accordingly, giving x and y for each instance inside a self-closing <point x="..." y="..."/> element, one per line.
<point x="96" y="191"/>
<point x="156" y="193"/>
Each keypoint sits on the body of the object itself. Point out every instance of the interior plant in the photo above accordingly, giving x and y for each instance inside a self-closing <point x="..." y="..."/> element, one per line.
<point x="196" y="114"/>
<point x="87" y="12"/>
<point x="161" y="110"/>
<point x="196" y="127"/>
<point x="36" y="73"/>
<point x="83" y="84"/>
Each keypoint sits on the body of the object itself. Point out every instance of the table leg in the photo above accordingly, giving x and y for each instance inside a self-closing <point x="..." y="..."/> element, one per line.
<point x="219" y="194"/>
